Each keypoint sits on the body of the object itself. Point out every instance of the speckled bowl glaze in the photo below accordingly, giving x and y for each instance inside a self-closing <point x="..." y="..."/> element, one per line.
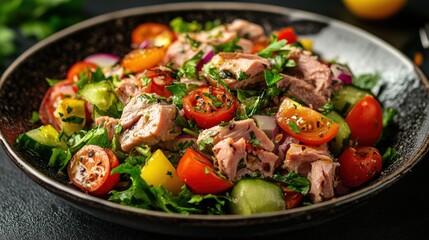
<point x="402" y="86"/>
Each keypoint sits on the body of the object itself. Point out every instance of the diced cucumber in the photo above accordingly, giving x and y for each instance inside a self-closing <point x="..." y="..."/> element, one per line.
<point x="346" y="97"/>
<point x="254" y="195"/>
<point x="341" y="140"/>
<point x="101" y="94"/>
<point x="42" y="140"/>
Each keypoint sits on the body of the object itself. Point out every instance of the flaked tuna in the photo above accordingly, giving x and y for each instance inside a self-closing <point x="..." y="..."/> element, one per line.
<point x="229" y="154"/>
<point x="246" y="129"/>
<point x="156" y="124"/>
<point x="235" y="159"/>
<point x="238" y="70"/>
<point x="109" y="123"/>
<point x="310" y="81"/>
<point x="321" y="178"/>
<point x="299" y="157"/>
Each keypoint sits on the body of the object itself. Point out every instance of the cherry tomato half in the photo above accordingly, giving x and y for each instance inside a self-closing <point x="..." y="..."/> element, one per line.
<point x="159" y="78"/>
<point x="90" y="167"/>
<point x="54" y="94"/>
<point x="365" y="120"/>
<point x="287" y="33"/>
<point x="149" y="31"/>
<point x="305" y="124"/>
<point x="358" y="165"/>
<point x="78" y="67"/>
<point x="209" y="106"/>
<point x="142" y="59"/>
<point x="199" y="174"/>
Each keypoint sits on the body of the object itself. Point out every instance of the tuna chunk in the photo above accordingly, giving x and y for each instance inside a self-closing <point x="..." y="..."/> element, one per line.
<point x="237" y="130"/>
<point x="132" y="111"/>
<point x="310" y="81"/>
<point x="236" y="160"/>
<point x="246" y="29"/>
<point x="299" y="157"/>
<point x="229" y="155"/>
<point x="146" y="122"/>
<point x="302" y="90"/>
<point x="128" y="88"/>
<point x="109" y="123"/>
<point x="321" y="179"/>
<point x="239" y="70"/>
<point x="181" y="51"/>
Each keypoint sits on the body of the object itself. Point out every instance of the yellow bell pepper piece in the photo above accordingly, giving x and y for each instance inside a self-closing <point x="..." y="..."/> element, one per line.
<point x="71" y="113"/>
<point x="159" y="171"/>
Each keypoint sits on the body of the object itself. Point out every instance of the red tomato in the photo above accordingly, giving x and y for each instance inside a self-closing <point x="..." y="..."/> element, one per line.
<point x="305" y="124"/>
<point x="148" y="31"/>
<point x="77" y="68"/>
<point x="158" y="80"/>
<point x="292" y="198"/>
<point x="287" y="33"/>
<point x="49" y="103"/>
<point x="365" y="120"/>
<point x="199" y="174"/>
<point x="209" y="106"/>
<point x="90" y="167"/>
<point x="112" y="179"/>
<point x="358" y="165"/>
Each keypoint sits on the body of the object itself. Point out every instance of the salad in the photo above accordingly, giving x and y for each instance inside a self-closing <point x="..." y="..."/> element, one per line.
<point x="213" y="118"/>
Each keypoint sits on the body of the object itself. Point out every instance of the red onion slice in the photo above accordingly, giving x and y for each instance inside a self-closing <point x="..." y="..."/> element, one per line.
<point x="102" y="59"/>
<point x="342" y="74"/>
<point x="206" y="58"/>
<point x="144" y="44"/>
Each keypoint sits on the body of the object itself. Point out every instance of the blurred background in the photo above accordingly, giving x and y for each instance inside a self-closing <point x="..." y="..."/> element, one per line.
<point x="24" y="22"/>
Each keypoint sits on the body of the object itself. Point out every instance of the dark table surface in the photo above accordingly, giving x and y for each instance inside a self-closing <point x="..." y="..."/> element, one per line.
<point x="28" y="211"/>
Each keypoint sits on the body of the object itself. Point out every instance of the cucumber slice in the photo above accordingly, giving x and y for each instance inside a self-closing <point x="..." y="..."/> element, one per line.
<point x="341" y="140"/>
<point x="254" y="195"/>
<point x="42" y="140"/>
<point x="346" y="97"/>
<point x="101" y="94"/>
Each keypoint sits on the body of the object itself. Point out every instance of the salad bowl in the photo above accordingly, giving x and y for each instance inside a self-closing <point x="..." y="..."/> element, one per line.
<point x="402" y="86"/>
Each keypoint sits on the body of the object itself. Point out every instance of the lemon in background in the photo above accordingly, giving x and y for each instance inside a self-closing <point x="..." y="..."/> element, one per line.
<point x="374" y="9"/>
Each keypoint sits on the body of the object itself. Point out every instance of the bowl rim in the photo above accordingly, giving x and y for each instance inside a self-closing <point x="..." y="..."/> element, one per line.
<point x="78" y="196"/>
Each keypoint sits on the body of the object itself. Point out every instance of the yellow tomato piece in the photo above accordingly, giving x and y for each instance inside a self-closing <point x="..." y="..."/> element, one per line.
<point x="159" y="171"/>
<point x="142" y="59"/>
<point x="71" y="113"/>
<point x="306" y="43"/>
<point x="374" y="9"/>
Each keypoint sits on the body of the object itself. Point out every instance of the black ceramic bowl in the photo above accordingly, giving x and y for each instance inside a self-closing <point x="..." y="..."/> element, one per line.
<point x="403" y="87"/>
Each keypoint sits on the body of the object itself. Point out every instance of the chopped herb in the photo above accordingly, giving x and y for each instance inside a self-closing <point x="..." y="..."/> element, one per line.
<point x="366" y="81"/>
<point x="255" y="142"/>
<point x="207" y="142"/>
<point x="294" y="127"/>
<point x="389" y="156"/>
<point x="228" y="46"/>
<point x="294" y="182"/>
<point x="388" y="115"/>
<point x="178" y="90"/>
<point x="225" y="74"/>
<point x="34" y="117"/>
<point x="242" y="76"/>
<point x="69" y="109"/>
<point x="189" y="68"/>
<point x="273" y="47"/>
<point x="214" y="100"/>
<point x="211" y="71"/>
<point x="169" y="173"/>
<point x="271" y="77"/>
<point x="190" y="132"/>
<point x="73" y="119"/>
<point x="194" y="43"/>
<point x="212" y="24"/>
<point x="326" y="108"/>
<point x="145" y="80"/>
<point x="52" y="82"/>
<point x="206" y="170"/>
<point x="223" y="124"/>
<point x="181" y="26"/>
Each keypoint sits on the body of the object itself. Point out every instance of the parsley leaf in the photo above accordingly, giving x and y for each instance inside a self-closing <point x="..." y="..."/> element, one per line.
<point x="366" y="81"/>
<point x="189" y="68"/>
<point x="272" y="77"/>
<point x="273" y="47"/>
<point x="228" y="46"/>
<point x="294" y="182"/>
<point x="294" y="127"/>
<point x="181" y="26"/>
<point x="178" y="90"/>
